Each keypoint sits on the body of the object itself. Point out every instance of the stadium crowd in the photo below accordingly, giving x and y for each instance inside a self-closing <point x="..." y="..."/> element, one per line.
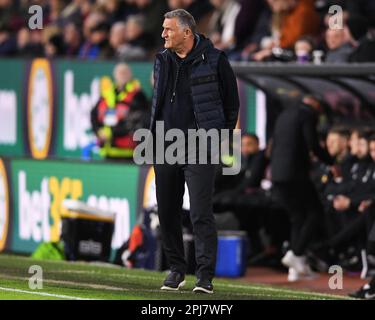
<point x="248" y="30"/>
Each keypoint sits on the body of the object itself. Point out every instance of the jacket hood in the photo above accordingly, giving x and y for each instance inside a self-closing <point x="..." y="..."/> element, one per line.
<point x="201" y="45"/>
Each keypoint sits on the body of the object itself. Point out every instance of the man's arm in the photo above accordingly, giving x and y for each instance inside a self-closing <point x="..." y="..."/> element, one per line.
<point x="229" y="92"/>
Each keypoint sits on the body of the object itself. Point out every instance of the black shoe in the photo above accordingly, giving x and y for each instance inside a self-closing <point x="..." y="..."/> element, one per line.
<point x="203" y="286"/>
<point x="174" y="281"/>
<point x="366" y="292"/>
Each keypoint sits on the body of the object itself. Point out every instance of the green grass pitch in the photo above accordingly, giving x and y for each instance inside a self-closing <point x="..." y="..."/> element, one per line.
<point x="79" y="280"/>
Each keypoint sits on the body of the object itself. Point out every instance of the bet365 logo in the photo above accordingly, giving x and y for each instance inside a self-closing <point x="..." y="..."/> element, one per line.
<point x="36" y="19"/>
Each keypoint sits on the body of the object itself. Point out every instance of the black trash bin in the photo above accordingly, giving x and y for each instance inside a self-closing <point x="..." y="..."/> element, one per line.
<point x="87" y="235"/>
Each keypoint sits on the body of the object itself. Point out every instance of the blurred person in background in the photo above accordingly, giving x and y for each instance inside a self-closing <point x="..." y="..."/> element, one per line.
<point x="72" y="12"/>
<point x="117" y="37"/>
<point x="201" y="10"/>
<point x="294" y="140"/>
<point x="120" y="111"/>
<point x="116" y="10"/>
<point x="222" y="23"/>
<point x="339" y="49"/>
<point x="29" y="43"/>
<point x="303" y="49"/>
<point x="12" y="15"/>
<point x="8" y="42"/>
<point x="291" y="19"/>
<point x="97" y="45"/>
<point x="246" y="21"/>
<point x="351" y="216"/>
<point x="90" y="21"/>
<point x="52" y="12"/>
<point x="138" y="44"/>
<point x="153" y="12"/>
<point x="356" y="33"/>
<point x="72" y="39"/>
<point x="54" y="47"/>
<point x="226" y="186"/>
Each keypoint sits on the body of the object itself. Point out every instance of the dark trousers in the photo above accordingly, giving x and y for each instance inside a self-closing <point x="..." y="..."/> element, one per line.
<point x="302" y="203"/>
<point x="170" y="181"/>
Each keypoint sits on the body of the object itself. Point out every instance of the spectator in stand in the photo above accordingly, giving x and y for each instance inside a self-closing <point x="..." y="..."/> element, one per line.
<point x="291" y="19"/>
<point x="364" y="8"/>
<point x="72" y="39"/>
<point x="153" y="12"/>
<point x="11" y="15"/>
<point x="222" y="23"/>
<point x="117" y="37"/>
<point x="116" y="10"/>
<point x="339" y="49"/>
<point x="29" y="43"/>
<point x="246" y="20"/>
<point x="138" y="43"/>
<point x="97" y="45"/>
<point x="8" y="43"/>
<point x="356" y="29"/>
<point x="201" y="10"/>
<point x="92" y="20"/>
<point x="254" y="42"/>
<point x="54" y="47"/>
<point x="303" y="49"/>
<point x="73" y="12"/>
<point x="52" y="12"/>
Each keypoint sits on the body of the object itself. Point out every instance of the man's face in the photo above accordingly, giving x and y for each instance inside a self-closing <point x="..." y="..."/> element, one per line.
<point x="372" y="150"/>
<point x="335" y="144"/>
<point x="362" y="148"/>
<point x="249" y="146"/>
<point x="335" y="38"/>
<point x="353" y="143"/>
<point x="122" y="75"/>
<point x="172" y="34"/>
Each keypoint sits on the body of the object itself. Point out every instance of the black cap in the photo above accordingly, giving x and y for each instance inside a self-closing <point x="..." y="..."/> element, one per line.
<point x="358" y="26"/>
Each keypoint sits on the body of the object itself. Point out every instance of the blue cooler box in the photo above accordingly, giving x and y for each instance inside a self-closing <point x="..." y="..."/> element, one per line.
<point x="231" y="254"/>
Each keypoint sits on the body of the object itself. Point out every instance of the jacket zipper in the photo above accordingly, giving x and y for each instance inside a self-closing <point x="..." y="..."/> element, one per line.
<point x="175" y="82"/>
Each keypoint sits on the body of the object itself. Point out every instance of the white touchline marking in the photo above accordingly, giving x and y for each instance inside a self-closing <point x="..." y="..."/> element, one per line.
<point x="44" y="294"/>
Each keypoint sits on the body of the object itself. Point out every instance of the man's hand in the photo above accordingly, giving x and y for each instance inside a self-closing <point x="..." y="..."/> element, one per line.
<point x="341" y="203"/>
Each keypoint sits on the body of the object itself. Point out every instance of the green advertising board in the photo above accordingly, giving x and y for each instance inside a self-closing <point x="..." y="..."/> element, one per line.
<point x="39" y="188"/>
<point x="46" y="104"/>
<point x="11" y="106"/>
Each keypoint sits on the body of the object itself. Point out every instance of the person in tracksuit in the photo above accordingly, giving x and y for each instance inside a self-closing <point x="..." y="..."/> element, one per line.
<point x="194" y="88"/>
<point x="295" y="139"/>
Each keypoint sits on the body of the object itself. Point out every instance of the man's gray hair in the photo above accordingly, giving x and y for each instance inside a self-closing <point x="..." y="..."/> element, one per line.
<point x="184" y="18"/>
